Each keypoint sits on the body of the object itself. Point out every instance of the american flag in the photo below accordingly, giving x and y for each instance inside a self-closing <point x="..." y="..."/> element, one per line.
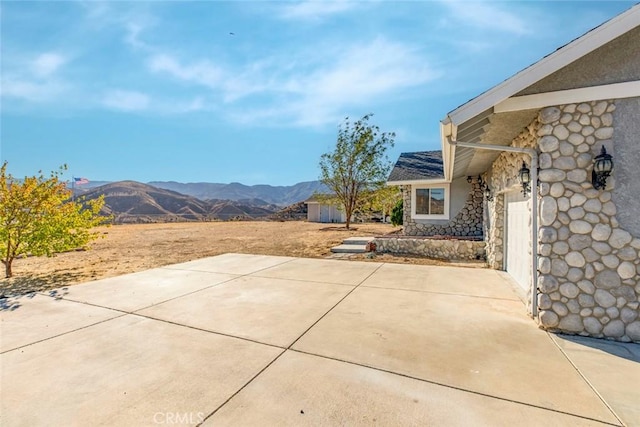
<point x="80" y="181"/>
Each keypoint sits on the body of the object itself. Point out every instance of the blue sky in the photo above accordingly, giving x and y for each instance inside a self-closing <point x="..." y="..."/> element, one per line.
<point x="251" y="92"/>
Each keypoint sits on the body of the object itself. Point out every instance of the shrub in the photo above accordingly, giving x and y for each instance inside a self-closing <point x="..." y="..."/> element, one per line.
<point x="397" y="214"/>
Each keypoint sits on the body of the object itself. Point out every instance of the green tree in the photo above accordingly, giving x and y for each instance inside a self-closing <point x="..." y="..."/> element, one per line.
<point x="38" y="217"/>
<point x="384" y="199"/>
<point x="397" y="214"/>
<point x="358" y="165"/>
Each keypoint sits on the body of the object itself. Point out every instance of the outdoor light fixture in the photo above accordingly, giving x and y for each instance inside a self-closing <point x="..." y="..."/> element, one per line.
<point x="469" y="179"/>
<point x="602" y="167"/>
<point x="525" y="178"/>
<point x="487" y="193"/>
<point x="484" y="187"/>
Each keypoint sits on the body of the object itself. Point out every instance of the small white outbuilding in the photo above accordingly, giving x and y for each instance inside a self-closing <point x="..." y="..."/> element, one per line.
<point x="318" y="211"/>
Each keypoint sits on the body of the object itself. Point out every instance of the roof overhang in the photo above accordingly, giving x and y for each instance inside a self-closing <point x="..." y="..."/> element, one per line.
<point x="497" y="115"/>
<point x="572" y="51"/>
<point x="571" y="96"/>
<point x="419" y="182"/>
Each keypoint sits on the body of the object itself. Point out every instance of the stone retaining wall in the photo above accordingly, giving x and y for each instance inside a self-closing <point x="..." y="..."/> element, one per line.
<point x="432" y="247"/>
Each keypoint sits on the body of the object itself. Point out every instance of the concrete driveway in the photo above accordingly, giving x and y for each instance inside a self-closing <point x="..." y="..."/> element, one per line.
<point x="259" y="340"/>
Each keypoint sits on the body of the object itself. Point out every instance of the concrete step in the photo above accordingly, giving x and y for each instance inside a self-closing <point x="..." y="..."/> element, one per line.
<point x="357" y="240"/>
<point x="349" y="249"/>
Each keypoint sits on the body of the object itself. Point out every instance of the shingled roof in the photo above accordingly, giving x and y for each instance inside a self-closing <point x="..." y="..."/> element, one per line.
<point x="418" y="166"/>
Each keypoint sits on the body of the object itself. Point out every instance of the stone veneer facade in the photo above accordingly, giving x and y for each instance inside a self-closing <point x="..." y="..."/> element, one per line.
<point x="588" y="266"/>
<point x="449" y="249"/>
<point x="468" y="222"/>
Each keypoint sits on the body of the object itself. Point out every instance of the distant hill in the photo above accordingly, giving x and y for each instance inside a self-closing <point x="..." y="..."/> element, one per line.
<point x="131" y="201"/>
<point x="277" y="195"/>
<point x="297" y="211"/>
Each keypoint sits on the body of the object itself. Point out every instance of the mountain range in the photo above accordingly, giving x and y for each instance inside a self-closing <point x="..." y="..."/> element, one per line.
<point x="131" y="201"/>
<point x="280" y="195"/>
<point x="277" y="195"/>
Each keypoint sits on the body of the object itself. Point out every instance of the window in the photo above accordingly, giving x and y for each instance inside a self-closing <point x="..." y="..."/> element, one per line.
<point x="430" y="202"/>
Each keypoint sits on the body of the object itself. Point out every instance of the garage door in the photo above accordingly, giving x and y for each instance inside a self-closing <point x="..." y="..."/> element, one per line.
<point x="518" y="238"/>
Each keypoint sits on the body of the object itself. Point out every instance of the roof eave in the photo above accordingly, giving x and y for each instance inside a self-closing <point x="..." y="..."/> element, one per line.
<point x="551" y="63"/>
<point x="418" y="181"/>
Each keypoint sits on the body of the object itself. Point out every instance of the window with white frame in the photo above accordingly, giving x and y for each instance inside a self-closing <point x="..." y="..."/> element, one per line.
<point x="430" y="202"/>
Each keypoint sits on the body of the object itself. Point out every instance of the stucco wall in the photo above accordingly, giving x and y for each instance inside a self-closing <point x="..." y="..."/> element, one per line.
<point x="465" y="211"/>
<point x="626" y="147"/>
<point x="615" y="62"/>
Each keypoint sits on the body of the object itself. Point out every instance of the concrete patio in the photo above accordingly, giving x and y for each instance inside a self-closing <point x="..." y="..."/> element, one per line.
<point x="260" y="340"/>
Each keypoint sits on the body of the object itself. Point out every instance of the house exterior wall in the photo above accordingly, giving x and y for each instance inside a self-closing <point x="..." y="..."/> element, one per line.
<point x="465" y="212"/>
<point x="588" y="262"/>
<point x="626" y="143"/>
<point x="503" y="177"/>
<point x="612" y="63"/>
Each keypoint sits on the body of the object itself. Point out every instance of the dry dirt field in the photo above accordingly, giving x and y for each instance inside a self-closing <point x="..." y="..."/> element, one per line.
<point x="135" y="247"/>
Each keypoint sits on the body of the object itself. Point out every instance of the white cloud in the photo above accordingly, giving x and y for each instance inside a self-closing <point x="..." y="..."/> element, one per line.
<point x="315" y="9"/>
<point x="487" y="16"/>
<point x="180" y="107"/>
<point x="47" y="63"/>
<point x="125" y="100"/>
<point x="202" y="73"/>
<point x="32" y="77"/>
<point x="314" y="90"/>
<point x="132" y="37"/>
<point x="358" y="75"/>
<point x="18" y="88"/>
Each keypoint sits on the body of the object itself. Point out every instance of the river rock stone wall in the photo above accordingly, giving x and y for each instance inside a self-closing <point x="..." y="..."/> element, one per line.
<point x="494" y="232"/>
<point x="589" y="267"/>
<point x="468" y="222"/>
<point x="449" y="249"/>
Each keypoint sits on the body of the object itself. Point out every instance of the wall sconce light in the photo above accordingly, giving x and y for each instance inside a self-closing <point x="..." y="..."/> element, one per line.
<point x="602" y="167"/>
<point x="487" y="193"/>
<point x="484" y="187"/>
<point x="525" y="179"/>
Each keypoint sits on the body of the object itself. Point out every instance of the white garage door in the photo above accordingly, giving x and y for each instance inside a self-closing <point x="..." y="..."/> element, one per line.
<point x="518" y="238"/>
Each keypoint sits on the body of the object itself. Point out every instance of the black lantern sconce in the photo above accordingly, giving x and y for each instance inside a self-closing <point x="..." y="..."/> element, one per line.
<point x="483" y="186"/>
<point x="525" y="179"/>
<point x="602" y="167"/>
<point x="487" y="193"/>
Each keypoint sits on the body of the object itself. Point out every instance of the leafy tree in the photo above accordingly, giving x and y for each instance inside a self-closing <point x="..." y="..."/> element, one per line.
<point x="358" y="165"/>
<point x="384" y="199"/>
<point x="38" y="217"/>
<point x="397" y="214"/>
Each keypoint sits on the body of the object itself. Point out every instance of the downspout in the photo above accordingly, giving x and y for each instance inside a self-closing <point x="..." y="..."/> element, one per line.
<point x="534" y="207"/>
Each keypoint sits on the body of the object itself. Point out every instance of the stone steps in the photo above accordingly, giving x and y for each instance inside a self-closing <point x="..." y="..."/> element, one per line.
<point x="352" y="245"/>
<point x="357" y="240"/>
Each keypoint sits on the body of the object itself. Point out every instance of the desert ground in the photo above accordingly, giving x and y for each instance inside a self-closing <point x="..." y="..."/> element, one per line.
<point x="135" y="247"/>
